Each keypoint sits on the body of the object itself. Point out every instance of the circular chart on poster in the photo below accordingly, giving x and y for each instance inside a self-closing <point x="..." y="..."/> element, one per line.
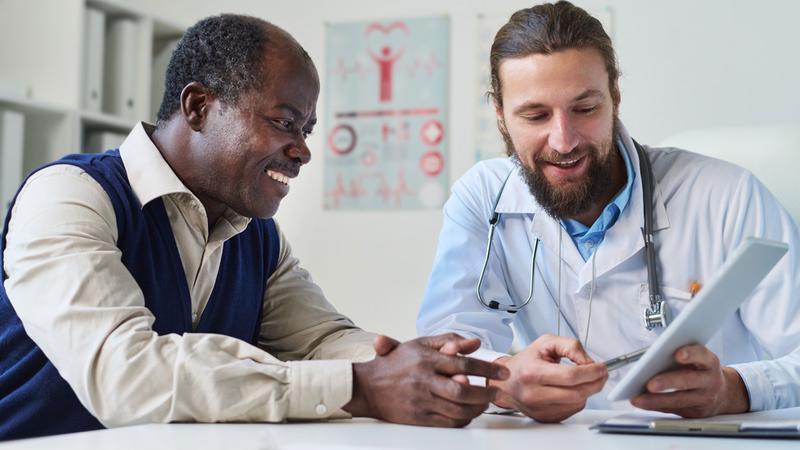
<point x="431" y="163"/>
<point x="342" y="139"/>
<point x="432" y="132"/>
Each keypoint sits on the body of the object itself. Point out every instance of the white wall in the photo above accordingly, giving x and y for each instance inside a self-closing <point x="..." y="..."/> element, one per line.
<point x="686" y="64"/>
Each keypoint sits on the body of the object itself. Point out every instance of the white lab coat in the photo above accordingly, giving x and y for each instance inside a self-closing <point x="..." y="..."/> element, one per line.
<point x="703" y="209"/>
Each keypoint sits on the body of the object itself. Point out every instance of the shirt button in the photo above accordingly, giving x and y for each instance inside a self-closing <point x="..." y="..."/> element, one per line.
<point x="589" y="244"/>
<point x="321" y="409"/>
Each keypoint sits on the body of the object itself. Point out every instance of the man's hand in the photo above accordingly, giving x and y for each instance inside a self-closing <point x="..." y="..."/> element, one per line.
<point x="544" y="389"/>
<point x="413" y="382"/>
<point x="700" y="387"/>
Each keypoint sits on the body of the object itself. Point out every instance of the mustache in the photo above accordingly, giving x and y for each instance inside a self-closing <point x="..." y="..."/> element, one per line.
<point x="576" y="153"/>
<point x="288" y="168"/>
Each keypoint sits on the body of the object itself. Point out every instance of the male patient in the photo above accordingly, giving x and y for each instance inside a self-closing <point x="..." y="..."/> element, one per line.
<point x="149" y="284"/>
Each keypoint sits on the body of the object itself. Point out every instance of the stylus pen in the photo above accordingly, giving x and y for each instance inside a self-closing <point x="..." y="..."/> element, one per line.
<point x="624" y="360"/>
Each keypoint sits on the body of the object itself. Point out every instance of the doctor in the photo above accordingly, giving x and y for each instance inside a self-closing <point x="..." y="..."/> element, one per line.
<point x="569" y="209"/>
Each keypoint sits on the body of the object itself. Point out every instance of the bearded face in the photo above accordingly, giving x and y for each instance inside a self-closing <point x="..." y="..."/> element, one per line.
<point x="559" y="121"/>
<point x="572" y="196"/>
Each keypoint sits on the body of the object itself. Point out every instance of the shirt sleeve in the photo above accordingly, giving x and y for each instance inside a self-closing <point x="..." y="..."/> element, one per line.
<point x="81" y="306"/>
<point x="298" y="323"/>
<point x="772" y="313"/>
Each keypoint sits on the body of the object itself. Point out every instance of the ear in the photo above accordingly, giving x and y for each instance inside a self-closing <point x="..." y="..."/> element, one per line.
<point x="195" y="100"/>
<point x="501" y="122"/>
<point x="616" y="96"/>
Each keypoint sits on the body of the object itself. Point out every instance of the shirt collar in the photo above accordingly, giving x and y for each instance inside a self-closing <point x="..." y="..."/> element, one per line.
<point x="151" y="177"/>
<point x="148" y="172"/>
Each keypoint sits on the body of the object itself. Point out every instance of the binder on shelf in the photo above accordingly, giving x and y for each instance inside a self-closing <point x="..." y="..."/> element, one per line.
<point x="100" y="141"/>
<point x="119" y="88"/>
<point x="162" y="53"/>
<point x="94" y="48"/>
<point x="12" y="140"/>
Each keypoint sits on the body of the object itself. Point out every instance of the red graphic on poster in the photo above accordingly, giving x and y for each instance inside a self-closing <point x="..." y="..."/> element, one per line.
<point x="386" y="55"/>
<point x="397" y="134"/>
<point x="431" y="163"/>
<point x="342" y="139"/>
<point x="387" y="192"/>
<point x="432" y="132"/>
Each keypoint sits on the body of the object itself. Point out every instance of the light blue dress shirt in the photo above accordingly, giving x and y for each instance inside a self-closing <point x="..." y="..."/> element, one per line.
<point x="587" y="239"/>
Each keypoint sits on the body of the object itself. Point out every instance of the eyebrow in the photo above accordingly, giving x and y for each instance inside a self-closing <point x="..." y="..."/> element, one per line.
<point x="588" y="93"/>
<point x="296" y="113"/>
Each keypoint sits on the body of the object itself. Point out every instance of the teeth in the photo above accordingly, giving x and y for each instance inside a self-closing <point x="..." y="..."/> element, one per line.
<point x="278" y="177"/>
<point x="567" y="163"/>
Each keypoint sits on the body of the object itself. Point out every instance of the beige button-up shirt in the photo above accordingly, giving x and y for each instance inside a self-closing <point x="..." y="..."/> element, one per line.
<point x="82" y="307"/>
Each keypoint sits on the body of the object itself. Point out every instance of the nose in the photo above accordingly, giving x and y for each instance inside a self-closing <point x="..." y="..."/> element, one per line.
<point x="563" y="138"/>
<point x="299" y="151"/>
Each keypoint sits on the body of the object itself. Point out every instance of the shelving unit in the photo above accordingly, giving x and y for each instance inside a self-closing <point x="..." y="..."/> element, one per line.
<point x="47" y="64"/>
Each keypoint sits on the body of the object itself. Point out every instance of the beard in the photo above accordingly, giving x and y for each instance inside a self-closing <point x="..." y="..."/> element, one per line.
<point x="575" y="196"/>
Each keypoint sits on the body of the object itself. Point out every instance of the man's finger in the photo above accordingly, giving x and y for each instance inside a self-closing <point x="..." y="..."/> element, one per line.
<point x="680" y="380"/>
<point x="463" y="365"/>
<point x="463" y="346"/>
<point x="438" y="341"/>
<point x="454" y="410"/>
<point x="697" y="355"/>
<point x="384" y="345"/>
<point x="438" y="420"/>
<point x="451" y="390"/>
<point x="671" y="402"/>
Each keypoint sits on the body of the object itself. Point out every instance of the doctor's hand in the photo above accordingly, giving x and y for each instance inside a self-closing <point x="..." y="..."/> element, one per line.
<point x="544" y="389"/>
<point x="700" y="387"/>
<point x="413" y="383"/>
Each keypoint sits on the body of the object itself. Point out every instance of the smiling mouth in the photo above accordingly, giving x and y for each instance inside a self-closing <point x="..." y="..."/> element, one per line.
<point x="279" y="177"/>
<point x="566" y="164"/>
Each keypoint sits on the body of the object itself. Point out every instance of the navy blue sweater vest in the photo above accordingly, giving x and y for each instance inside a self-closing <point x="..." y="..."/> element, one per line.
<point x="34" y="399"/>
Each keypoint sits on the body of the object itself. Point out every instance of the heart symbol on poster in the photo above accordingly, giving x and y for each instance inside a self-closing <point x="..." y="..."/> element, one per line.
<point x="385" y="44"/>
<point x="386" y="41"/>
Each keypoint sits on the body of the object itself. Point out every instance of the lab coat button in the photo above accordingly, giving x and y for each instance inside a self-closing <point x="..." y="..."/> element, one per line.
<point x="321" y="409"/>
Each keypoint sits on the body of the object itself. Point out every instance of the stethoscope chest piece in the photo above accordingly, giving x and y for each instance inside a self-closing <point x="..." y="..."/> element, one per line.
<point x="657" y="314"/>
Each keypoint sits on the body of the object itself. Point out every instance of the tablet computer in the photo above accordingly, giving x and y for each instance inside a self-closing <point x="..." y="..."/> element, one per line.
<point x="697" y="323"/>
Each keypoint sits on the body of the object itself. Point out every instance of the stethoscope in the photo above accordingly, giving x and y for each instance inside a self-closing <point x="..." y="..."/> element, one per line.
<point x="656" y="315"/>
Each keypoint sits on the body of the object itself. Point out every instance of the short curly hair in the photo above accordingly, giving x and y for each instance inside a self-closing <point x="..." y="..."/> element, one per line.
<point x="225" y="53"/>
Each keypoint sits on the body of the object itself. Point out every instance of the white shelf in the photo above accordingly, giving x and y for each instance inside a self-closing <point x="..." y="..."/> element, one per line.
<point x="56" y="118"/>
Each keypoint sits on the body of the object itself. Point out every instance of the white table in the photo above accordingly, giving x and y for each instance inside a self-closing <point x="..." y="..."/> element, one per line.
<point x="487" y="431"/>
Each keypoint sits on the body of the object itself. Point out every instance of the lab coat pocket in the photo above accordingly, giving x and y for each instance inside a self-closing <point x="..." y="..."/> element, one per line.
<point x="677" y="300"/>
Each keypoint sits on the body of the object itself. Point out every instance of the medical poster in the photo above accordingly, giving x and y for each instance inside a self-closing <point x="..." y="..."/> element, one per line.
<point x="386" y="128"/>
<point x="488" y="142"/>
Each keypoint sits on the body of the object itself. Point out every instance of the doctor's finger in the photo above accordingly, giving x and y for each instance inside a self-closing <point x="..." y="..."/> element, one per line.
<point x="562" y="347"/>
<point x="568" y="375"/>
<point x="682" y="380"/>
<point x="697" y="355"/>
<point x="554" y="397"/>
<point x="694" y="403"/>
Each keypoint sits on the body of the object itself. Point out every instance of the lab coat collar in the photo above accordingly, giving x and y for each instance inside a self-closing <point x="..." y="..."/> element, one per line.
<point x="622" y="241"/>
